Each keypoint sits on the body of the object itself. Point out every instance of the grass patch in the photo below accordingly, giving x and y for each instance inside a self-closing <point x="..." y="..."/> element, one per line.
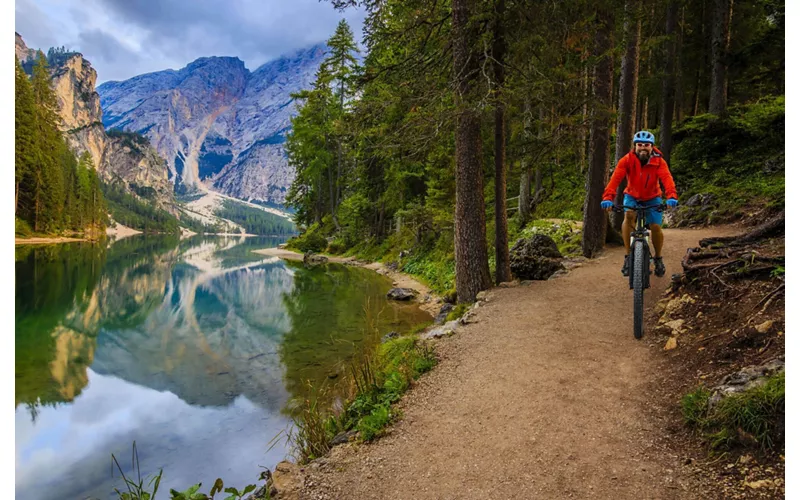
<point x="378" y="381"/>
<point x="458" y="311"/>
<point x="753" y="416"/>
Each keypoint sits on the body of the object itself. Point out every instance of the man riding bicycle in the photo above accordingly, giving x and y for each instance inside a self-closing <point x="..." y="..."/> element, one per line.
<point x="644" y="167"/>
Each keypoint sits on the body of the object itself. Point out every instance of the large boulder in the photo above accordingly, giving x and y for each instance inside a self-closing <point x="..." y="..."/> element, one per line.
<point x="535" y="258"/>
<point x="400" y="294"/>
<point x="312" y="259"/>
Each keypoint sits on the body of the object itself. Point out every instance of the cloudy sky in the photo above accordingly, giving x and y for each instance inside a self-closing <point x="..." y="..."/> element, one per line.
<point x="125" y="38"/>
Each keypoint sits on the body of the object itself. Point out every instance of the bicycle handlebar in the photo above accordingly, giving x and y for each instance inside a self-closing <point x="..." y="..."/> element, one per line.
<point x="658" y="208"/>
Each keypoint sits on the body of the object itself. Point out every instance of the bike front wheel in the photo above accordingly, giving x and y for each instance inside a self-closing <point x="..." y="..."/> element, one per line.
<point x="638" y="288"/>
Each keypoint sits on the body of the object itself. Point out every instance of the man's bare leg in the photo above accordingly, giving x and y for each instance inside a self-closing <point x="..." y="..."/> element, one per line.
<point x="628" y="226"/>
<point x="658" y="238"/>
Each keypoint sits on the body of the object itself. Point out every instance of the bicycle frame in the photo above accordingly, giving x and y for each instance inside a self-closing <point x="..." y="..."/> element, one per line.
<point x="641" y="232"/>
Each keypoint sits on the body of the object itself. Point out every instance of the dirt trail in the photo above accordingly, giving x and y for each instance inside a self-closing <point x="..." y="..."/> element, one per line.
<point x="542" y="398"/>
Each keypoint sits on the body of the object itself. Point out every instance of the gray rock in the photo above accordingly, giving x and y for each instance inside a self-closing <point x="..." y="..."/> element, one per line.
<point x="744" y="379"/>
<point x="443" y="312"/>
<point x="389" y="336"/>
<point x="447" y="329"/>
<point x="401" y="294"/>
<point x="343" y="437"/>
<point x="535" y="258"/>
<point x="312" y="259"/>
<point x="700" y="200"/>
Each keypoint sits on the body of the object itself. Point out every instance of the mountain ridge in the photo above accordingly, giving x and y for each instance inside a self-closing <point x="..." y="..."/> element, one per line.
<point x="219" y="125"/>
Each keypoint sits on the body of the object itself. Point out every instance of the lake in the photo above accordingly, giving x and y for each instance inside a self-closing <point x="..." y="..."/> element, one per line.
<point x="195" y="349"/>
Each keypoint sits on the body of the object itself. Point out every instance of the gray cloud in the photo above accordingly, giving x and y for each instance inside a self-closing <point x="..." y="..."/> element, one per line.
<point x="123" y="38"/>
<point x="107" y="52"/>
<point x="33" y="24"/>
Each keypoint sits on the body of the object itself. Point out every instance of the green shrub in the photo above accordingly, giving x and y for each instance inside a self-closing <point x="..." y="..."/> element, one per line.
<point x="310" y="242"/>
<point x="372" y="425"/>
<point x="21" y="228"/>
<point x="458" y="311"/>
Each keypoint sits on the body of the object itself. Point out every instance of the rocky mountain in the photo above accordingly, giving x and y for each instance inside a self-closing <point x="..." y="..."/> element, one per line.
<point x="115" y="158"/>
<point x="219" y="125"/>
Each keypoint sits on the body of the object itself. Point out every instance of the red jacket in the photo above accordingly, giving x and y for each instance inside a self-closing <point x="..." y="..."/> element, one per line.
<point x="642" y="180"/>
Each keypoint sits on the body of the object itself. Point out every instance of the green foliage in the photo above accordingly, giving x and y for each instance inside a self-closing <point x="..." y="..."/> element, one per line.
<point x="21" y="228"/>
<point x="458" y="311"/>
<point x="54" y="192"/>
<point x="132" y="212"/>
<point x="310" y="241"/>
<point x="371" y="425"/>
<point x="727" y="157"/>
<point x="255" y="220"/>
<point x="565" y="234"/>
<point x="146" y="489"/>
<point x="380" y="380"/>
<point x="755" y="415"/>
<point x="695" y="405"/>
<point x="136" y="488"/>
<point x="133" y="140"/>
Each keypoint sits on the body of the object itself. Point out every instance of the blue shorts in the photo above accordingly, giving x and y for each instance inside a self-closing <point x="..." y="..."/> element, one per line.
<point x="651" y="216"/>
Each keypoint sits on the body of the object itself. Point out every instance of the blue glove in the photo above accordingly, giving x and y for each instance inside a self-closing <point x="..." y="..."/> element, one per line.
<point x="605" y="204"/>
<point x="672" y="203"/>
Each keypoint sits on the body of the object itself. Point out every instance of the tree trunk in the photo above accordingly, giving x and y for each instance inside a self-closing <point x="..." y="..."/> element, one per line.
<point x="524" y="202"/>
<point x="584" y="117"/>
<point x="668" y="84"/>
<point x="628" y="90"/>
<point x="502" y="264"/>
<point x="720" y="42"/>
<point x="472" y="264"/>
<point x="679" y="72"/>
<point x="594" y="218"/>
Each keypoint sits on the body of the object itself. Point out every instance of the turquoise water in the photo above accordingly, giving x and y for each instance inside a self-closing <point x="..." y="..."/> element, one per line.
<point x="193" y="349"/>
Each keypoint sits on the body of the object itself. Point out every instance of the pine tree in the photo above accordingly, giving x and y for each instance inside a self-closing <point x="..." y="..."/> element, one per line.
<point x="343" y="67"/>
<point x="24" y="130"/>
<point x="48" y="188"/>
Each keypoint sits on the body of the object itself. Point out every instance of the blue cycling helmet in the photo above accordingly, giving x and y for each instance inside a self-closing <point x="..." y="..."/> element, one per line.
<point x="644" y="136"/>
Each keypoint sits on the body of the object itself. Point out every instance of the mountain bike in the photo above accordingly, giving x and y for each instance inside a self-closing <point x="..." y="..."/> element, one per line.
<point x="639" y="264"/>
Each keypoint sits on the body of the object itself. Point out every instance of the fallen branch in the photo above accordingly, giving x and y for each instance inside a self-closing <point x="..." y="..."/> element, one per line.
<point x="770" y="294"/>
<point x="774" y="226"/>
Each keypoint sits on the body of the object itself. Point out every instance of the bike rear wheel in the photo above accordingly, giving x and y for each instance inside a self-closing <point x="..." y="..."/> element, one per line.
<point x="637" y="268"/>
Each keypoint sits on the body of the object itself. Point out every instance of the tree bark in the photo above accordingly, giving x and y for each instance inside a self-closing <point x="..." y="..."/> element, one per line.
<point x="584" y="116"/>
<point x="679" y="97"/>
<point x="472" y="264"/>
<point x="628" y="90"/>
<point x="524" y="202"/>
<point x="594" y="218"/>
<point x="668" y="84"/>
<point x="720" y="43"/>
<point x="502" y="263"/>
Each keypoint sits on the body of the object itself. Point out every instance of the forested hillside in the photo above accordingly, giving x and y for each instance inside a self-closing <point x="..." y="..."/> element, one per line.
<point x="54" y="191"/>
<point x="468" y="120"/>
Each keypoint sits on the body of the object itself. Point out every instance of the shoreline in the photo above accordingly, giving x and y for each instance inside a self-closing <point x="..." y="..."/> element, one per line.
<point x="47" y="239"/>
<point x="425" y="299"/>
